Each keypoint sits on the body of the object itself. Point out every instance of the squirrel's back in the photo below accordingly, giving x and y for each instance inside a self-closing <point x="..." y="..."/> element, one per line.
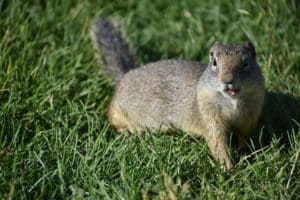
<point x="162" y="91"/>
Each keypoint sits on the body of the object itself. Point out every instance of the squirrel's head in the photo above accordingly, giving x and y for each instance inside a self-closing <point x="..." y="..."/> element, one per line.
<point x="236" y="68"/>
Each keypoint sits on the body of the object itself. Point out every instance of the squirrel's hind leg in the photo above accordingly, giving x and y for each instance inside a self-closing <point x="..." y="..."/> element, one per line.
<point x="121" y="122"/>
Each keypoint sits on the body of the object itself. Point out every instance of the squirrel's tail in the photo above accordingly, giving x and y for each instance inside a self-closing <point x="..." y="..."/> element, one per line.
<point x="113" y="52"/>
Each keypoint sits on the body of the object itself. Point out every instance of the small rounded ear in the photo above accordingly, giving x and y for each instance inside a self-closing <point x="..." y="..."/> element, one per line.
<point x="213" y="48"/>
<point x="251" y="48"/>
<point x="216" y="44"/>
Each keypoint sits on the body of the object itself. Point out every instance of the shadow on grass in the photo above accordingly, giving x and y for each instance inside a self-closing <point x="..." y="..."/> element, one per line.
<point x="280" y="118"/>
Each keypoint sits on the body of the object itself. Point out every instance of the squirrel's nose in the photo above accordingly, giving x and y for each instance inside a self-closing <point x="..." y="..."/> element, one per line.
<point x="227" y="79"/>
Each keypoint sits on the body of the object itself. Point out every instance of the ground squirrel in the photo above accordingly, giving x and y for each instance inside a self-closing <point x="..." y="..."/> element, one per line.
<point x="226" y="96"/>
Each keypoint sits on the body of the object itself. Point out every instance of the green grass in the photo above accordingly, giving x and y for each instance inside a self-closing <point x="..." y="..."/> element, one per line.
<point x="55" y="142"/>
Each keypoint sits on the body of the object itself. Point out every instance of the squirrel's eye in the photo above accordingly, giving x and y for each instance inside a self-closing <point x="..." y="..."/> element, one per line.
<point x="246" y="64"/>
<point x="214" y="62"/>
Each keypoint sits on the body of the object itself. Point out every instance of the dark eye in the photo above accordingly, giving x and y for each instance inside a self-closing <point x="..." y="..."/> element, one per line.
<point x="214" y="62"/>
<point x="246" y="64"/>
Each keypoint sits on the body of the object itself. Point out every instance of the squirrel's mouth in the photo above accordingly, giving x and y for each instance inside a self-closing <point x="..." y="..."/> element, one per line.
<point x="232" y="92"/>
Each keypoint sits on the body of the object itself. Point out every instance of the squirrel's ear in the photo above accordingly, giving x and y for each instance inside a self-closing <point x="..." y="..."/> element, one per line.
<point x="214" y="46"/>
<point x="251" y="47"/>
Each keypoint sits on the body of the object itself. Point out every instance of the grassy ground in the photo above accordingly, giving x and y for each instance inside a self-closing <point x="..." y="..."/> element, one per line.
<point x="55" y="142"/>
